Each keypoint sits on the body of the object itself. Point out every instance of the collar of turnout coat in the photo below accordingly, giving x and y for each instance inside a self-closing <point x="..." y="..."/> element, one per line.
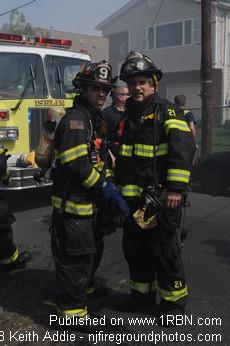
<point x="139" y="106"/>
<point x="95" y="114"/>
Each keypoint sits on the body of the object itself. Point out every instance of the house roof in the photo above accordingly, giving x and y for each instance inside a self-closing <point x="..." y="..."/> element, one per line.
<point x="133" y="3"/>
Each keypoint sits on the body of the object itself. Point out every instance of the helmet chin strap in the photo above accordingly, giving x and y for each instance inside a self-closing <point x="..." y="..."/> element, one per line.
<point x="155" y="81"/>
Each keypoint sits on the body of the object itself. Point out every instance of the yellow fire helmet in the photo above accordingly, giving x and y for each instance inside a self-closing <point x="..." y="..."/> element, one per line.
<point x="139" y="219"/>
<point x="30" y="159"/>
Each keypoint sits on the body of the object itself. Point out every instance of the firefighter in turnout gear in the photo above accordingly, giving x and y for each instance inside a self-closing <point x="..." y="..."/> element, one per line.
<point x="10" y="256"/>
<point x="153" y="171"/>
<point x="80" y="177"/>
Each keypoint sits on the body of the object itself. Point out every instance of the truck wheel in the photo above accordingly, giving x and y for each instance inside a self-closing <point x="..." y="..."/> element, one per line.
<point x="213" y="181"/>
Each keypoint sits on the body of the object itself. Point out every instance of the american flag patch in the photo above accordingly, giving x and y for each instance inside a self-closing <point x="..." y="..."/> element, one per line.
<point x="76" y="125"/>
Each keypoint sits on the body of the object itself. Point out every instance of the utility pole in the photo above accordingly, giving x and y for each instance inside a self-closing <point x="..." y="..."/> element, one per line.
<point x="206" y="76"/>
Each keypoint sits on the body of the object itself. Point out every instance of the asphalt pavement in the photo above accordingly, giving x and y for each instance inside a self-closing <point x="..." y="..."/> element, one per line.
<point x="27" y="296"/>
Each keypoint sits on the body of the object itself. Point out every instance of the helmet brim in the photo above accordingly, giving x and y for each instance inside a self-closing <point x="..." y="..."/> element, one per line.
<point x="84" y="81"/>
<point x="150" y="72"/>
<point x="92" y="82"/>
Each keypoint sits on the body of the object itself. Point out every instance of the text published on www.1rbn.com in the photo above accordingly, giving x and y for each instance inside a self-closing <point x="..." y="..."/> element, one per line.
<point x="129" y="335"/>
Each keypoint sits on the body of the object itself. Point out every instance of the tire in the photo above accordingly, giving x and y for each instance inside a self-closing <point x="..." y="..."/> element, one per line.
<point x="213" y="181"/>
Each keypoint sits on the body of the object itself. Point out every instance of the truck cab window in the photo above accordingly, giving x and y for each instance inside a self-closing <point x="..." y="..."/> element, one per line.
<point x="16" y="77"/>
<point x="61" y="71"/>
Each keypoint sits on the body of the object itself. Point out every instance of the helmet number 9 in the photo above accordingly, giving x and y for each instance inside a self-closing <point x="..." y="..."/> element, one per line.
<point x="103" y="74"/>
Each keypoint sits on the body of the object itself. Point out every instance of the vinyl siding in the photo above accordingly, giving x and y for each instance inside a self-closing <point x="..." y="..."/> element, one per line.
<point x="223" y="56"/>
<point x="227" y="69"/>
<point x="142" y="16"/>
<point x="179" y="60"/>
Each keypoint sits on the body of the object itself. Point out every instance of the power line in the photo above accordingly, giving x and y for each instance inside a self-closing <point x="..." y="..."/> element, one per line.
<point x="16" y="8"/>
<point x="152" y="24"/>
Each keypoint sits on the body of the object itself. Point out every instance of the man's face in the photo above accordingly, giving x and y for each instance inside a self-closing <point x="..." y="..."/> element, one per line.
<point x="122" y="93"/>
<point x="96" y="95"/>
<point x="140" y="87"/>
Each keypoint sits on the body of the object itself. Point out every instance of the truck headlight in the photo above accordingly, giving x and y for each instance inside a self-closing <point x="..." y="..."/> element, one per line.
<point x="8" y="133"/>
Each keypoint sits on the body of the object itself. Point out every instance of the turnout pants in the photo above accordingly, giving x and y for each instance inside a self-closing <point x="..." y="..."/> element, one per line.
<point x="8" y="250"/>
<point x="73" y="248"/>
<point x="154" y="258"/>
<point x="99" y="244"/>
<point x="103" y="227"/>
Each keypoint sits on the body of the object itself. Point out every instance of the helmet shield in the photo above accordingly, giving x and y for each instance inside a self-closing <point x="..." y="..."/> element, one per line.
<point x="142" y="222"/>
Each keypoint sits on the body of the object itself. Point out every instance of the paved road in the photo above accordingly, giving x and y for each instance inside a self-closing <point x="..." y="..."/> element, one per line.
<point x="25" y="295"/>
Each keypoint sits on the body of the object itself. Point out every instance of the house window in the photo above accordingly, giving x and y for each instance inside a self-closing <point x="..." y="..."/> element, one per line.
<point x="169" y="35"/>
<point x="180" y="33"/>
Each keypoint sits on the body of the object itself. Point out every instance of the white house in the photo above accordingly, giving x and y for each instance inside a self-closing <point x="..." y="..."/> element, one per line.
<point x="169" y="31"/>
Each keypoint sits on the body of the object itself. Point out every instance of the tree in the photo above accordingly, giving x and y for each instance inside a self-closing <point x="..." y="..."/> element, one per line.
<point x="18" y="25"/>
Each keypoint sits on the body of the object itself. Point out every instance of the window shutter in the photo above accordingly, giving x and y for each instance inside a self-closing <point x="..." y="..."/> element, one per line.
<point x="144" y="39"/>
<point x="196" y="31"/>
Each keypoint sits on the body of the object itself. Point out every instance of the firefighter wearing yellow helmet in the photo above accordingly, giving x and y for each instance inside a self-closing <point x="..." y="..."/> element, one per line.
<point x="153" y="171"/>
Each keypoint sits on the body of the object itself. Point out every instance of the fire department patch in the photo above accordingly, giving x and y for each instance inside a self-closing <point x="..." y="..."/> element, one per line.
<point x="76" y="125"/>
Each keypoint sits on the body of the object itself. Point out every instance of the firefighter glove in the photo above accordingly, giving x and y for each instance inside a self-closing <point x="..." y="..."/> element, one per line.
<point x="110" y="192"/>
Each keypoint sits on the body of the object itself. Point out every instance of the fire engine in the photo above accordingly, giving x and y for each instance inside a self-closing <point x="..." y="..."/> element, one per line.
<point x="36" y="74"/>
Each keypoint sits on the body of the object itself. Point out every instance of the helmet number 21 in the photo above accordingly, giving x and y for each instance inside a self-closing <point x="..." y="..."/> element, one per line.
<point x="178" y="284"/>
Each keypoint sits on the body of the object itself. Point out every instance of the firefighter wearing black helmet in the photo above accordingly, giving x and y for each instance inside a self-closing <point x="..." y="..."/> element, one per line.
<point x="80" y="176"/>
<point x="153" y="171"/>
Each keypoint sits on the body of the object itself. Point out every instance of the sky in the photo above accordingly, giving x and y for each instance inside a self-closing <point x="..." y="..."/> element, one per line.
<point x="79" y="16"/>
